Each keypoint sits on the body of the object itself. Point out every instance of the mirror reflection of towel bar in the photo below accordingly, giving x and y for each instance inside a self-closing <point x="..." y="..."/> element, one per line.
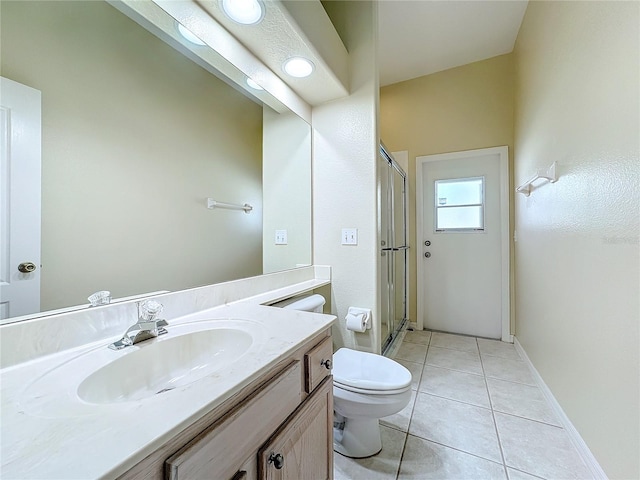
<point x="211" y="203"/>
<point x="549" y="174"/>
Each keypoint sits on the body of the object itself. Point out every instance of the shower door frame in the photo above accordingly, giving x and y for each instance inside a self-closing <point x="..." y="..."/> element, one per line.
<point x="389" y="290"/>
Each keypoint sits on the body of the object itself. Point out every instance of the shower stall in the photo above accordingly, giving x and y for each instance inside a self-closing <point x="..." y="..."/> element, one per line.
<point x="392" y="214"/>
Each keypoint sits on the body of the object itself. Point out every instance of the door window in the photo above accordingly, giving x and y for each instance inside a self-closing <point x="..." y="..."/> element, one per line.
<point x="459" y="205"/>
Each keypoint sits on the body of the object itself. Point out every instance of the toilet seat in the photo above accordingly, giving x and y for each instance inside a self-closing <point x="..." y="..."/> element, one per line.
<point x="365" y="391"/>
<point x="368" y="373"/>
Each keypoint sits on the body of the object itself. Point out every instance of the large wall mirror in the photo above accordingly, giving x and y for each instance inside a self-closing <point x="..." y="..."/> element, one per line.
<point x="135" y="138"/>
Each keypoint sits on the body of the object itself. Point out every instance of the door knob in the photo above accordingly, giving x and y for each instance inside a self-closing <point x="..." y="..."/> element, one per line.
<point x="26" y="267"/>
<point x="427" y="254"/>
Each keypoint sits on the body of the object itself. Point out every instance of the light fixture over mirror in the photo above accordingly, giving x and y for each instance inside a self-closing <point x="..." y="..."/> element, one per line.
<point x="245" y="12"/>
<point x="253" y="84"/>
<point x="189" y="35"/>
<point x="298" y="67"/>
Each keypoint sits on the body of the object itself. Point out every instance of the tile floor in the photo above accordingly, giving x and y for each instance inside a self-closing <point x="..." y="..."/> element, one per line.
<point x="475" y="413"/>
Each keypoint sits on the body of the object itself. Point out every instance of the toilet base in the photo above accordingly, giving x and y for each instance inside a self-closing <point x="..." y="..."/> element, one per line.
<point x="360" y="438"/>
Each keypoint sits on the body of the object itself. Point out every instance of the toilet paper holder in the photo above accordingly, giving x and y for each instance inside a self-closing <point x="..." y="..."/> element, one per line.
<point x="362" y="314"/>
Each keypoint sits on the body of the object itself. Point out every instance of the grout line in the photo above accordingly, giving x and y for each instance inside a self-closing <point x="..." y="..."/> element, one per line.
<point x="404" y="448"/>
<point x="527" y="473"/>
<point x="456" y="349"/>
<point x="527" y="418"/>
<point x="413" y="408"/>
<point x="501" y="357"/>
<point x="453" y="448"/>
<point x="453" y="400"/>
<point x="493" y="415"/>
<point x="388" y="425"/>
<point x="513" y="381"/>
<point x="454" y="370"/>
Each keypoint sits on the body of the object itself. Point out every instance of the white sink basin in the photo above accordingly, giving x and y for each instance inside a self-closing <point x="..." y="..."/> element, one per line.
<point x="104" y="378"/>
<point x="167" y="363"/>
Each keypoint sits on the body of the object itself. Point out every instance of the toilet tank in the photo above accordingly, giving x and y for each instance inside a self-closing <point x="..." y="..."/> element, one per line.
<point x="309" y="303"/>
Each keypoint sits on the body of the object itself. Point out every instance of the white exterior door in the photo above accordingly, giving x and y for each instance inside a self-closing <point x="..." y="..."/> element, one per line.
<point x="20" y="150"/>
<point x="463" y="261"/>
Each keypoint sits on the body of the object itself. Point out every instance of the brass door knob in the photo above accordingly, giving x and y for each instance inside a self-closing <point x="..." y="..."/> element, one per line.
<point x="27" y="267"/>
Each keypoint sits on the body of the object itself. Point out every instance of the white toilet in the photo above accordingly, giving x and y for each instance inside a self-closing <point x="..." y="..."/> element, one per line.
<point x="366" y="387"/>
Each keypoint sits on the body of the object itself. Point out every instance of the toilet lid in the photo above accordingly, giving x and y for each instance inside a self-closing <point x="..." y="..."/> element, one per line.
<point x="367" y="371"/>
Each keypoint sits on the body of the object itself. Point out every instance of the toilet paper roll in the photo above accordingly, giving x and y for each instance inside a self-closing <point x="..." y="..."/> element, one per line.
<point x="356" y="323"/>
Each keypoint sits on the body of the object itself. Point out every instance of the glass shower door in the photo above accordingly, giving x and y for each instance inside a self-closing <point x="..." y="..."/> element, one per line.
<point x="394" y="247"/>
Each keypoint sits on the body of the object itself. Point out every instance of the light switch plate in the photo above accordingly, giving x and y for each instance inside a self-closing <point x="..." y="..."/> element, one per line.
<point x="281" y="237"/>
<point x="349" y="236"/>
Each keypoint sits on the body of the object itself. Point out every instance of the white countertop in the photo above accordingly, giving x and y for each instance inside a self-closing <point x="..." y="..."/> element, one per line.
<point x="104" y="441"/>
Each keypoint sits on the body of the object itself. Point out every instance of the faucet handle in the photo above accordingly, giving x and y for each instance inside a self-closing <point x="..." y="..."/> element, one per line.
<point x="150" y="309"/>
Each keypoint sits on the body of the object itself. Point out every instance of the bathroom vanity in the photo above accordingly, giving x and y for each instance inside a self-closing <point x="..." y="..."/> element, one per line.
<point x="280" y="426"/>
<point x="263" y="408"/>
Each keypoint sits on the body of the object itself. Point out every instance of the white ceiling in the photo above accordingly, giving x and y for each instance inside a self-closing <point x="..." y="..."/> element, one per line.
<point x="421" y="37"/>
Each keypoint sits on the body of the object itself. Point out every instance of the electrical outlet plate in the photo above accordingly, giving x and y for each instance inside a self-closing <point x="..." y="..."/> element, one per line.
<point x="349" y="236"/>
<point x="281" y="237"/>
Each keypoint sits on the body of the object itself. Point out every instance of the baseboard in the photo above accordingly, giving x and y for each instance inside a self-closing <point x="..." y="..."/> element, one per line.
<point x="580" y="445"/>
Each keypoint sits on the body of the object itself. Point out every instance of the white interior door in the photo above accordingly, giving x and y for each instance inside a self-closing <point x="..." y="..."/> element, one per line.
<point x="462" y="207"/>
<point x="20" y="151"/>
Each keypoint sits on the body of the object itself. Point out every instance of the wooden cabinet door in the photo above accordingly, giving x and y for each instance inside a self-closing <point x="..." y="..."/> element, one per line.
<point x="302" y="448"/>
<point x="217" y="452"/>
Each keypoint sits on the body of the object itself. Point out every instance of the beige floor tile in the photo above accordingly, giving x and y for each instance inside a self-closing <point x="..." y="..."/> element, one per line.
<point x="412" y="352"/>
<point x="505" y="369"/>
<point x="454" y="424"/>
<point x="383" y="466"/>
<point x="498" y="349"/>
<point x="454" y="359"/>
<point x="454" y="342"/>
<point x="415" y="369"/>
<point x="462" y="386"/>
<point x="539" y="449"/>
<point x="521" y="400"/>
<point x="421" y="337"/>
<point x="426" y="460"/>
<point x="401" y="419"/>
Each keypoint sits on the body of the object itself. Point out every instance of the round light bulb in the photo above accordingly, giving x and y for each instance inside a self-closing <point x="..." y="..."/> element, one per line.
<point x="298" y="67"/>
<point x="189" y="35"/>
<point x="246" y="12"/>
<point x="253" y="84"/>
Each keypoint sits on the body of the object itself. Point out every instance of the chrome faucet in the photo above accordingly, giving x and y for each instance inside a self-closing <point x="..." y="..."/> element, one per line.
<point x="147" y="326"/>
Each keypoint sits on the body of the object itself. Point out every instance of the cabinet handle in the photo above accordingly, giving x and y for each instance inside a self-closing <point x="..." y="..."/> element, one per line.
<point x="277" y="459"/>
<point x="326" y="363"/>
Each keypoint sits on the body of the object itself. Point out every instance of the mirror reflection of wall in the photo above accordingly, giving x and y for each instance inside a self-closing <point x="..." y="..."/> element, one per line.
<point x="286" y="176"/>
<point x="135" y="137"/>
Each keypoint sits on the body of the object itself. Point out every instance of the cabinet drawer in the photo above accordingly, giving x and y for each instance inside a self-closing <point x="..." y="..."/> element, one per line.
<point x="318" y="364"/>
<point x="218" y="451"/>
